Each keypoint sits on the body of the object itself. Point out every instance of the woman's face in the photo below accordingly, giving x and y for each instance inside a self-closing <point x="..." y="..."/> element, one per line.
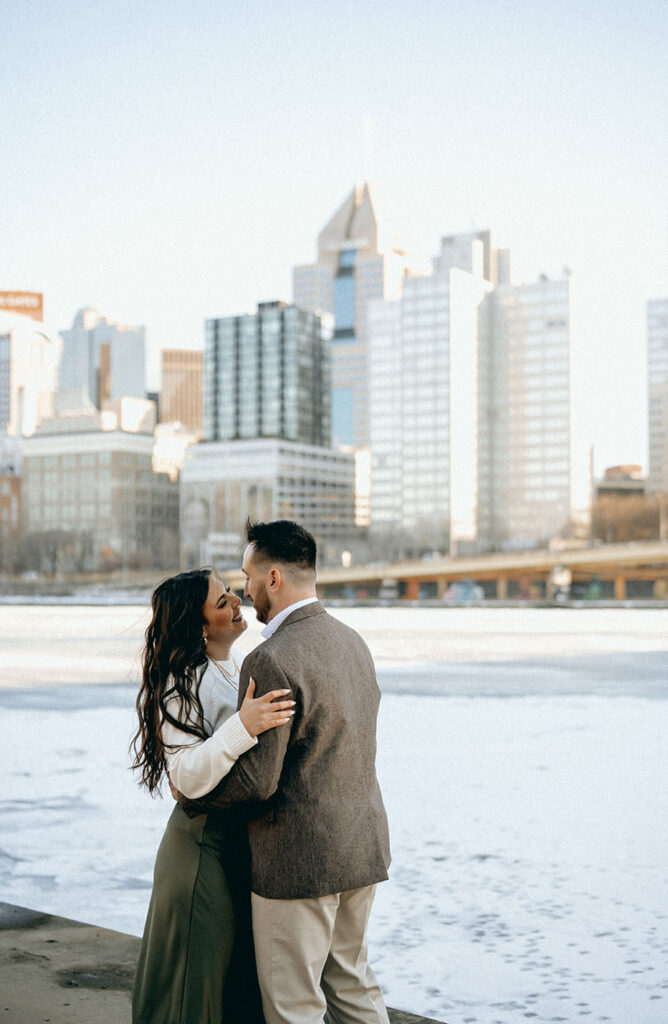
<point x="222" y="613"/>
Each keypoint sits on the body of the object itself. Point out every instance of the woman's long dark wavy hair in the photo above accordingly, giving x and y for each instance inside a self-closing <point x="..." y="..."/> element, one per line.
<point x="173" y="657"/>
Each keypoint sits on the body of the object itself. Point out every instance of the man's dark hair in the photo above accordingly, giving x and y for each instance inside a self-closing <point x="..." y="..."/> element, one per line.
<point x="283" y="541"/>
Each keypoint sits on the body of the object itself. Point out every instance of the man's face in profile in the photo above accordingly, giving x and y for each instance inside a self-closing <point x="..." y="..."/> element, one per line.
<point x="255" y="588"/>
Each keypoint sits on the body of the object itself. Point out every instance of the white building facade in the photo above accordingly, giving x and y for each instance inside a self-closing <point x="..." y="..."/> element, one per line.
<point x="470" y="407"/>
<point x="526" y="481"/>
<point x="657" y="394"/>
<point x="423" y="413"/>
<point x="29" y="355"/>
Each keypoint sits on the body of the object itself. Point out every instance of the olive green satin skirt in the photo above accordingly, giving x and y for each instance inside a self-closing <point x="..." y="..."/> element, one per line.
<point x="196" y="963"/>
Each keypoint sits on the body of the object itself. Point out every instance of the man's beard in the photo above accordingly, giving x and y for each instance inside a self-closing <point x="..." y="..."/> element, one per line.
<point x="262" y="606"/>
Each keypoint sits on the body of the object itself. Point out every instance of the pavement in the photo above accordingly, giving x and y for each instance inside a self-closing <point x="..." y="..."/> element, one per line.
<point x="57" y="971"/>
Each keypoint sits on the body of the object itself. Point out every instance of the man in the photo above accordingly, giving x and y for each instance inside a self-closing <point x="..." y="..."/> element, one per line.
<point x="320" y="843"/>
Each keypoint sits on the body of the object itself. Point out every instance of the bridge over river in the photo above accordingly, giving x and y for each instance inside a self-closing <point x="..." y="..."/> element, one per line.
<point x="622" y="570"/>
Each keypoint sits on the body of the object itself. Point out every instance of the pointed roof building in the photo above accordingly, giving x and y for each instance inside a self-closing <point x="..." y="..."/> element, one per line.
<point x="355" y="223"/>
<point x="356" y="263"/>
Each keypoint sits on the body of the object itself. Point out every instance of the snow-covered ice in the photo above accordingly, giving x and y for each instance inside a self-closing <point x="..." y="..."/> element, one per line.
<point x="522" y="758"/>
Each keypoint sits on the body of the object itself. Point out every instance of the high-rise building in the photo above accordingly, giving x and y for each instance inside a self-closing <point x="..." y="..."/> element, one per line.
<point x="657" y="387"/>
<point x="355" y="264"/>
<point x="267" y="374"/>
<point x="525" y="414"/>
<point x="423" y="352"/>
<point x="103" y="357"/>
<point x="266" y="451"/>
<point x="29" y="356"/>
<point x="470" y="406"/>
<point x="181" y="394"/>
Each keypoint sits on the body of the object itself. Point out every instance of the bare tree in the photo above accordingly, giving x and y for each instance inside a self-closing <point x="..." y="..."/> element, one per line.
<point x="619" y="518"/>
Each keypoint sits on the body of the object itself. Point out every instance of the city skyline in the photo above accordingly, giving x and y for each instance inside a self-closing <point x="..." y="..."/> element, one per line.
<point x="174" y="175"/>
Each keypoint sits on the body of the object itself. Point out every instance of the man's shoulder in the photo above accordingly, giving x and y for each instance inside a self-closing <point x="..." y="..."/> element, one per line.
<point x="312" y="632"/>
<point x="260" y="655"/>
<point x="265" y="662"/>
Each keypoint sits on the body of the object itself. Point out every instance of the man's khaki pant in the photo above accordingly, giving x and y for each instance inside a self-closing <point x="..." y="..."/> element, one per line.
<point x="312" y="957"/>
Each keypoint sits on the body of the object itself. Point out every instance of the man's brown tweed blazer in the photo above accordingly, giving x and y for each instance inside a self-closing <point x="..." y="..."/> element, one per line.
<point x="322" y="827"/>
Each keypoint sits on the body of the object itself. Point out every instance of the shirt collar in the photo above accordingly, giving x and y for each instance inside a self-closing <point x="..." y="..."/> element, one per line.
<point x="274" y="623"/>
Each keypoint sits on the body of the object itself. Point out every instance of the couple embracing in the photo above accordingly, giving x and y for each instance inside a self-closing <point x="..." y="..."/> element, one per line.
<point x="266" y="872"/>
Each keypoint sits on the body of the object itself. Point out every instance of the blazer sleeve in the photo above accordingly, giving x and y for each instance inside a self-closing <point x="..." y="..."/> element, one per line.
<point x="255" y="776"/>
<point x="195" y="766"/>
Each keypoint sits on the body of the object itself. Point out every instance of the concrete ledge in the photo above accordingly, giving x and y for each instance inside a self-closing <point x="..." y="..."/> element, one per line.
<point x="57" y="971"/>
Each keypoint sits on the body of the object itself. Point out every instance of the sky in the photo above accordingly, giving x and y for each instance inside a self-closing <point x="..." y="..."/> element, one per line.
<point x="168" y="162"/>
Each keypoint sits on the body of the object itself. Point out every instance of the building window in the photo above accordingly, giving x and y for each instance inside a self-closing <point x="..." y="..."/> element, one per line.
<point x="344" y="297"/>
<point x="342" y="415"/>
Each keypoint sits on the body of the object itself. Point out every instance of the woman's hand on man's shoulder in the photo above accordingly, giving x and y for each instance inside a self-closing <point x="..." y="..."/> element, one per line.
<point x="258" y="714"/>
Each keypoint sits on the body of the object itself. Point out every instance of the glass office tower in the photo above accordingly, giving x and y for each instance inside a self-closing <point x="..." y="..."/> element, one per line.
<point x="267" y="374"/>
<point x="355" y="264"/>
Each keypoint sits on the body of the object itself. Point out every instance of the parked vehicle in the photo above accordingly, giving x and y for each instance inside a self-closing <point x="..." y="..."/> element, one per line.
<point x="463" y="592"/>
<point x="388" y="590"/>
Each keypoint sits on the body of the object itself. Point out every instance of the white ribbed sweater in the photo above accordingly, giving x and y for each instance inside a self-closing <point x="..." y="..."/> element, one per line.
<point x="196" y="766"/>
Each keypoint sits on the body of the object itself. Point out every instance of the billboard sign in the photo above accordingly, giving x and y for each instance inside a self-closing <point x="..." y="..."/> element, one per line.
<point x="28" y="303"/>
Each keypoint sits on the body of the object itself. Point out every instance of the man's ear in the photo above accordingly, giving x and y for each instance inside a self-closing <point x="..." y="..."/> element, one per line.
<point x="274" y="579"/>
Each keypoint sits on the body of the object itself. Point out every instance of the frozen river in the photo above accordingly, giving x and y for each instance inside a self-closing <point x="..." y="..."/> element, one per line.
<point x="522" y="755"/>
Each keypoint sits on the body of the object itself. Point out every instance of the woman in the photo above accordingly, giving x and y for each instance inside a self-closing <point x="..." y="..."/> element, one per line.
<point x="196" y="963"/>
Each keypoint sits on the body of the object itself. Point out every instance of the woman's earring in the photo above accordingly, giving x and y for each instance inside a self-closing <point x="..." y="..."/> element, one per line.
<point x="204" y="638"/>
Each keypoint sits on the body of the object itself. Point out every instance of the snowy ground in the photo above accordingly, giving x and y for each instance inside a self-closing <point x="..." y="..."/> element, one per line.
<point x="522" y="755"/>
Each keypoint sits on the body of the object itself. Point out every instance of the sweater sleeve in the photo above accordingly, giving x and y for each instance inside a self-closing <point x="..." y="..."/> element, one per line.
<point x="197" y="766"/>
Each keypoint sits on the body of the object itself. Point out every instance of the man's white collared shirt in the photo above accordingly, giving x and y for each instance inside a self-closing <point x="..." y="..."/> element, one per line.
<point x="274" y="623"/>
